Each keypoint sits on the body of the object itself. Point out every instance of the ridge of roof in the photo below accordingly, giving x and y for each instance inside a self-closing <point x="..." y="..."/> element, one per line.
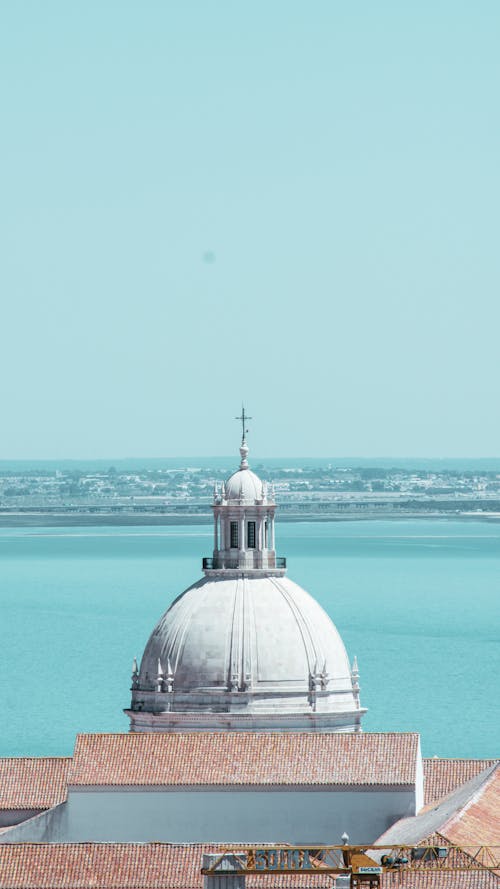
<point x="35" y="758"/>
<point x="209" y="733"/>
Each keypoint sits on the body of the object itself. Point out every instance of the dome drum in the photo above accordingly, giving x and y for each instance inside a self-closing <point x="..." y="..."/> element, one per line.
<point x="243" y="699"/>
<point x="219" y="721"/>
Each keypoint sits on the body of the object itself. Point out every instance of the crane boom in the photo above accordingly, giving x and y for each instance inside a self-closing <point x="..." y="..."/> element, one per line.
<point x="365" y="863"/>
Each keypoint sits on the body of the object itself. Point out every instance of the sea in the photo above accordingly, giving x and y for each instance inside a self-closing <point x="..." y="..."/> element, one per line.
<point x="417" y="601"/>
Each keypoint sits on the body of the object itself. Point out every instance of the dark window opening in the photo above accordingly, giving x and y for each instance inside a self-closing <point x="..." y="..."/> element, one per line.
<point x="234" y="535"/>
<point x="251" y="535"/>
<point x="265" y="534"/>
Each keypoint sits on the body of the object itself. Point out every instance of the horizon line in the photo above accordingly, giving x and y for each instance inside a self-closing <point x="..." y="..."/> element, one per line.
<point x="256" y="458"/>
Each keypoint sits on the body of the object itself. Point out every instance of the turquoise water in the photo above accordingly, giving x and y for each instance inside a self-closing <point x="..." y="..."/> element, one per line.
<point x="417" y="601"/>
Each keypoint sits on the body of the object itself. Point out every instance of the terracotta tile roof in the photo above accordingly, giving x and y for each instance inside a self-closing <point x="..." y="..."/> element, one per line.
<point x="231" y="758"/>
<point x="470" y="814"/>
<point x="432" y="880"/>
<point x="122" y="866"/>
<point x="33" y="783"/>
<point x="164" y="866"/>
<point x="479" y="820"/>
<point x="441" y="776"/>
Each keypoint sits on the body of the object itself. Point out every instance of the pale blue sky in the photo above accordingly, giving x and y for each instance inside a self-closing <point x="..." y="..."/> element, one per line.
<point x="293" y="203"/>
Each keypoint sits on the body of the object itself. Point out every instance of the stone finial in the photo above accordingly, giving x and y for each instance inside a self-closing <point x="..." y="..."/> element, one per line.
<point x="160" y="677"/>
<point x="135" y="674"/>
<point x="355" y="672"/>
<point x="355" y="680"/>
<point x="324" y="678"/>
<point x="223" y="491"/>
<point x="170" y="676"/>
<point x="244" y="447"/>
<point x="313" y="686"/>
<point x="313" y="678"/>
<point x="244" y="454"/>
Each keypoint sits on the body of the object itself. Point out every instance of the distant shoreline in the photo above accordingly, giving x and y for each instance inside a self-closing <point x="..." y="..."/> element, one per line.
<point x="50" y="520"/>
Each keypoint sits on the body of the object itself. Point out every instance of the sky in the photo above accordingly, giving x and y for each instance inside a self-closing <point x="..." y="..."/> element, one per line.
<point x="291" y="204"/>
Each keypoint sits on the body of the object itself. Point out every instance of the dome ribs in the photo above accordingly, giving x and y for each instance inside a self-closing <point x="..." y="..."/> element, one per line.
<point x="314" y="652"/>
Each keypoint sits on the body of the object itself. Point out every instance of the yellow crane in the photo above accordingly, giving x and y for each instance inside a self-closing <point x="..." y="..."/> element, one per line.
<point x="364" y="864"/>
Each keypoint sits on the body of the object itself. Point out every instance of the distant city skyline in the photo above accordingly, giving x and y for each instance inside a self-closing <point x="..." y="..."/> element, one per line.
<point x="293" y="206"/>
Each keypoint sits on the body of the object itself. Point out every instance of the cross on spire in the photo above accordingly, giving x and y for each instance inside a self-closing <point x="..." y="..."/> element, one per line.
<point x="243" y="419"/>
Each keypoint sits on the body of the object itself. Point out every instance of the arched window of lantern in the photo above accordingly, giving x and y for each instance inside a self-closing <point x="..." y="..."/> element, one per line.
<point x="250" y="535"/>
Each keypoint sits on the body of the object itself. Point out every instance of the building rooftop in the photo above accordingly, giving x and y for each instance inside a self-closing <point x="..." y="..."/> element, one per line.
<point x="441" y="776"/>
<point x="123" y="866"/>
<point x="165" y="866"/>
<point x="33" y="782"/>
<point x="443" y="880"/>
<point x="246" y="758"/>
<point x="469" y="816"/>
<point x="479" y="820"/>
<point x="40" y="782"/>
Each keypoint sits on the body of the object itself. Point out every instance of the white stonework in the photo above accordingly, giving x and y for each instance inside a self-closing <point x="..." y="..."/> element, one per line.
<point x="245" y="648"/>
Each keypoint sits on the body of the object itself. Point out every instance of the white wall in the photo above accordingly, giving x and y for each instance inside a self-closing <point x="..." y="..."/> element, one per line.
<point x="204" y="816"/>
<point x="419" y="781"/>
<point x="187" y="816"/>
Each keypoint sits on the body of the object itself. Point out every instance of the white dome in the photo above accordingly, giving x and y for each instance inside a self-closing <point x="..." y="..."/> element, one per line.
<point x="243" y="486"/>
<point x="248" y="645"/>
<point x="245" y="648"/>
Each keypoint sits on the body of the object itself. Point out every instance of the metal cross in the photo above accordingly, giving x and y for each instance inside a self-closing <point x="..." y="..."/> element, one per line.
<point x="243" y="419"/>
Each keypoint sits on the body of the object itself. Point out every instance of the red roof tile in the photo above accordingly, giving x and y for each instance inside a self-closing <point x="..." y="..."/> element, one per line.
<point x="432" y="880"/>
<point x="164" y="866"/>
<point x="231" y="758"/>
<point x="122" y="866"/>
<point x="468" y="815"/>
<point x="442" y="776"/>
<point x="29" y="783"/>
<point x="479" y="821"/>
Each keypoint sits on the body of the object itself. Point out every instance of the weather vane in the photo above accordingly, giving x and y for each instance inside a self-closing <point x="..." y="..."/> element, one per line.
<point x="243" y="419"/>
